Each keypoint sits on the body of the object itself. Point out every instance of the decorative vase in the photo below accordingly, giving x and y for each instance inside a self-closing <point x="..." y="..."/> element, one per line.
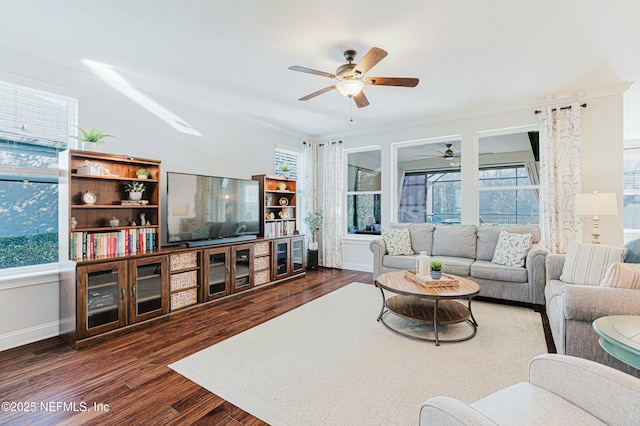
<point x="114" y="221"/>
<point x="135" y="196"/>
<point x="74" y="223"/>
<point x="285" y="174"/>
<point x="313" y="246"/>
<point x="436" y="275"/>
<point x="87" y="146"/>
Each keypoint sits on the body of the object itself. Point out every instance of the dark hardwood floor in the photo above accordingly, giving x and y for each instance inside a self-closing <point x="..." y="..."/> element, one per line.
<point x="129" y="376"/>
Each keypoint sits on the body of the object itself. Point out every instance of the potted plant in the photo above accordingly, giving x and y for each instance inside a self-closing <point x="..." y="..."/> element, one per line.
<point x="313" y="221"/>
<point x="135" y="190"/>
<point x="436" y="269"/>
<point x="285" y="170"/>
<point x="93" y="136"/>
<point x="143" y="173"/>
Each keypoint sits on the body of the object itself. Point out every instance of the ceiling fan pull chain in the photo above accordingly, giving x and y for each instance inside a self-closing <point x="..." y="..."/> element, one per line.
<point x="350" y="111"/>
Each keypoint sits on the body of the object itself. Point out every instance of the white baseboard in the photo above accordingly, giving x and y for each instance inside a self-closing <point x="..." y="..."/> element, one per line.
<point x="28" y="335"/>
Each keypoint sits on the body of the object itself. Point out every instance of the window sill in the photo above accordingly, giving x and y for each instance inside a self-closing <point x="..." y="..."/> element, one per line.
<point x="29" y="275"/>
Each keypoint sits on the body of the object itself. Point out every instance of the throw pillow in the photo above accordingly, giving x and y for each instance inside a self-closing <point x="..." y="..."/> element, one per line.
<point x="398" y="241"/>
<point x="586" y="264"/>
<point x="622" y="275"/>
<point x="512" y="248"/>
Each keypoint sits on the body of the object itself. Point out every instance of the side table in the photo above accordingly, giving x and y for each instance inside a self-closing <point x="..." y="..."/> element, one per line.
<point x="620" y="337"/>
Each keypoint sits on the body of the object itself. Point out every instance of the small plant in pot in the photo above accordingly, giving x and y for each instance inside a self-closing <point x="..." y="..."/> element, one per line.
<point x="285" y="170"/>
<point x="314" y="221"/>
<point x="143" y="173"/>
<point x="436" y="269"/>
<point x="135" y="190"/>
<point x="93" y="136"/>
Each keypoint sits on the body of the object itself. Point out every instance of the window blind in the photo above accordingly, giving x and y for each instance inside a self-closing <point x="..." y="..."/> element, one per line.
<point x="32" y="117"/>
<point x="290" y="158"/>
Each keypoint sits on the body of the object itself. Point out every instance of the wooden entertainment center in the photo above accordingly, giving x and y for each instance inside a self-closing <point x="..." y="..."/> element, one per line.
<point x="121" y="278"/>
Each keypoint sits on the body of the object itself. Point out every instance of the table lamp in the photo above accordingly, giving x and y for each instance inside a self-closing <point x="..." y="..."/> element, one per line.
<point x="596" y="204"/>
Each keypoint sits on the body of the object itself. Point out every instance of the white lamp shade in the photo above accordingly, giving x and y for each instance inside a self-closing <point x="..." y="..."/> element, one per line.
<point x="597" y="204"/>
<point x="350" y="88"/>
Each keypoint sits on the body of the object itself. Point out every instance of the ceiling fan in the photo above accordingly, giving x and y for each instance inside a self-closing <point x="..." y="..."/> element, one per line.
<point x="351" y="77"/>
<point x="447" y="154"/>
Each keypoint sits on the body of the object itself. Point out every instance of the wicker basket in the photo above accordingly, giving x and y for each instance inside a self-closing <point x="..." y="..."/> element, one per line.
<point x="184" y="260"/>
<point x="184" y="298"/>
<point x="184" y="280"/>
<point x="260" y="263"/>
<point x="261" y="277"/>
<point x="260" y="249"/>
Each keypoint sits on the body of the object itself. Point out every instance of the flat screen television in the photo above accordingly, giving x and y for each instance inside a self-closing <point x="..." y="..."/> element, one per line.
<point x="210" y="209"/>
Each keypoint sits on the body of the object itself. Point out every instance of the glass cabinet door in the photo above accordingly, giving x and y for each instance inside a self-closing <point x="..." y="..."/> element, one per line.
<point x="148" y="288"/>
<point x="103" y="289"/>
<point x="282" y="258"/>
<point x="216" y="274"/>
<point x="297" y="249"/>
<point x="242" y="267"/>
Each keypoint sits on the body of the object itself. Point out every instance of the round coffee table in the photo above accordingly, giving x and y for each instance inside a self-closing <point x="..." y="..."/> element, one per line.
<point x="432" y="305"/>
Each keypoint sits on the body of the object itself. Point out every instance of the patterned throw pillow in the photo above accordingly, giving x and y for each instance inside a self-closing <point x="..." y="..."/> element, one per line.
<point x="622" y="275"/>
<point x="586" y="264"/>
<point x="398" y="241"/>
<point x="512" y="249"/>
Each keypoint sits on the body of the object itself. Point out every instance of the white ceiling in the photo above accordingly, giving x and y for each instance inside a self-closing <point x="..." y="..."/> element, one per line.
<point x="231" y="56"/>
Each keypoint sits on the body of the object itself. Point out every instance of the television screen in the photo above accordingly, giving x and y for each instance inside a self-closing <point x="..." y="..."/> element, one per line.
<point x="210" y="208"/>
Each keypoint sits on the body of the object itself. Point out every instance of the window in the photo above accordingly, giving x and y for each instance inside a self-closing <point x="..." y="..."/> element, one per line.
<point x="364" y="191"/>
<point x="430" y="181"/>
<point x="34" y="128"/>
<point x="432" y="197"/>
<point x="508" y="177"/>
<point x="290" y="158"/>
<point x="506" y="196"/>
<point x="631" y="193"/>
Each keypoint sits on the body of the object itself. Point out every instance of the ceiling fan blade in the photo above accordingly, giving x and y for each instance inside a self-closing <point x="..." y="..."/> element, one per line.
<point x="319" y="92"/>
<point x="311" y="71"/>
<point x="368" y="61"/>
<point x="361" y="100"/>
<point x="392" y="81"/>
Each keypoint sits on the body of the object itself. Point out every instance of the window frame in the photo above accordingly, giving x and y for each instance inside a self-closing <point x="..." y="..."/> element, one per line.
<point x="34" y="136"/>
<point x="348" y="192"/>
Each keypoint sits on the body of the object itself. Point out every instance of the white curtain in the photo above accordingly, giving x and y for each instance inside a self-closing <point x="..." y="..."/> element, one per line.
<point x="308" y="185"/>
<point x="332" y="206"/>
<point x="560" y="175"/>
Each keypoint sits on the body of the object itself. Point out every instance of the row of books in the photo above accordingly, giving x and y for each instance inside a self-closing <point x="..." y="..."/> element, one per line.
<point x="116" y="243"/>
<point x="279" y="229"/>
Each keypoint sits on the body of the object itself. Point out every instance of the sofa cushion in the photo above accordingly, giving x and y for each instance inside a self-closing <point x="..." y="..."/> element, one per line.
<point x="455" y="265"/>
<point x="454" y="240"/>
<point x="488" y="237"/>
<point x="512" y="248"/>
<point x="398" y="241"/>
<point x="421" y="237"/>
<point x="622" y="275"/>
<point x="587" y="263"/>
<point x="496" y="272"/>
<point x="399" y="262"/>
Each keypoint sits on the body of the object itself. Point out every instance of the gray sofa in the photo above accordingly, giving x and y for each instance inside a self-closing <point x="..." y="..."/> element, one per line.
<point x="467" y="251"/>
<point x="572" y="308"/>
<point x="561" y="390"/>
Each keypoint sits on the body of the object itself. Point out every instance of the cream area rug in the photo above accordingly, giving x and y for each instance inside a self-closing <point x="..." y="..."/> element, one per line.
<point x="329" y="362"/>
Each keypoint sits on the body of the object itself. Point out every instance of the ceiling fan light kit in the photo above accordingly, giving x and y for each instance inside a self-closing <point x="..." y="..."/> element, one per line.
<point x="350" y="88"/>
<point x="351" y="78"/>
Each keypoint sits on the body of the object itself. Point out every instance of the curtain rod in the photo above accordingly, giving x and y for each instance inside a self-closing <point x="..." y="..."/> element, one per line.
<point x="567" y="107"/>
<point x="321" y="144"/>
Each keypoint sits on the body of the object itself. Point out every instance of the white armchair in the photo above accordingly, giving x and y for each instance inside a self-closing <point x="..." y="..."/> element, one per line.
<point x="561" y="390"/>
